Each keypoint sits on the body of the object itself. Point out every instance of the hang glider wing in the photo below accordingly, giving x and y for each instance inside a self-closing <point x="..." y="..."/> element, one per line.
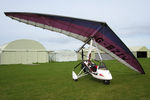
<point x="82" y="29"/>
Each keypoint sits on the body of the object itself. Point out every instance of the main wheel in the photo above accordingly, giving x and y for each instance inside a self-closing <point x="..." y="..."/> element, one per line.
<point x="107" y="82"/>
<point x="75" y="80"/>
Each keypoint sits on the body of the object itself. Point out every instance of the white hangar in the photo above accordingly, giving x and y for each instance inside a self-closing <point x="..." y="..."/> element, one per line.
<point x="23" y="51"/>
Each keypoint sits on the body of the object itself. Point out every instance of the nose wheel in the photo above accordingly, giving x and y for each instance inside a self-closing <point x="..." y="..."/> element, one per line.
<point x="107" y="82"/>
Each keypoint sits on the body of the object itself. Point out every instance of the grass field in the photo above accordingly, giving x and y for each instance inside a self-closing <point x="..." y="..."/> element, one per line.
<point x="53" y="81"/>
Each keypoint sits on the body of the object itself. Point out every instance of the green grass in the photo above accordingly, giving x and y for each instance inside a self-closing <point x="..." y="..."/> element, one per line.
<point x="53" y="81"/>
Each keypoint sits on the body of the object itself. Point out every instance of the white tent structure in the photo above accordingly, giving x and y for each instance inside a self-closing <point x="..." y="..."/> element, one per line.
<point x="140" y="51"/>
<point x="23" y="51"/>
<point x="63" y="56"/>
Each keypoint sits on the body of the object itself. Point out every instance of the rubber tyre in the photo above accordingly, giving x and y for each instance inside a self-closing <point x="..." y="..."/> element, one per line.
<point x="75" y="80"/>
<point x="106" y="82"/>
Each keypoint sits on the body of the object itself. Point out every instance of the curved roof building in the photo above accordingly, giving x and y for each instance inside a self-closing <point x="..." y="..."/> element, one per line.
<point x="23" y="51"/>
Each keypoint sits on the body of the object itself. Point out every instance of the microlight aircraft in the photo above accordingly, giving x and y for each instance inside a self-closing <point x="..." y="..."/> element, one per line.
<point x="88" y="67"/>
<point x="82" y="29"/>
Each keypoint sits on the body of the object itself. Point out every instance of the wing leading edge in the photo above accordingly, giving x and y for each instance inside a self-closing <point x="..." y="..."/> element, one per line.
<point x="82" y="29"/>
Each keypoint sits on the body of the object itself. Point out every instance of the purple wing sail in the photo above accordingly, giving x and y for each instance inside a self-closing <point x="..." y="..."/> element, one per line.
<point x="82" y="29"/>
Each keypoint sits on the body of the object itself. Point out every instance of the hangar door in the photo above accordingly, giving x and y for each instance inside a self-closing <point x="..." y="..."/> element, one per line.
<point x="141" y="54"/>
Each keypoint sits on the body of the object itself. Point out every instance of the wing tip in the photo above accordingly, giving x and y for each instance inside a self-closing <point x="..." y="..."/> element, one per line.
<point x="6" y="13"/>
<point x="143" y="72"/>
<point x="9" y="13"/>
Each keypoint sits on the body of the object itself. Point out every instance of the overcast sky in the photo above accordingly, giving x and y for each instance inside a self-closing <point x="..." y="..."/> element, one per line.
<point x="129" y="19"/>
